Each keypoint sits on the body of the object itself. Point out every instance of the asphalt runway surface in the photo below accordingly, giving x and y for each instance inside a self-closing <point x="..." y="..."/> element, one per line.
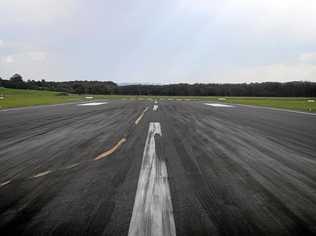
<point x="129" y="167"/>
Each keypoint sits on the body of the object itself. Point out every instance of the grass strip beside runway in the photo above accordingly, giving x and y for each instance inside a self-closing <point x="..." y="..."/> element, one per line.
<point x="10" y="98"/>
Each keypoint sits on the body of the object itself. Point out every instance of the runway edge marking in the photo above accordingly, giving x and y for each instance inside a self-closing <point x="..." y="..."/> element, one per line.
<point x="152" y="211"/>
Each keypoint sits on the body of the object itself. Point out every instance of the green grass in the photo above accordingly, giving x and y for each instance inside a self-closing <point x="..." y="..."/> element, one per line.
<point x="300" y="104"/>
<point x="21" y="98"/>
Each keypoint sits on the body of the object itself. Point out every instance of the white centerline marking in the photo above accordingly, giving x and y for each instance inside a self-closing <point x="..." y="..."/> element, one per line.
<point x="5" y="183"/>
<point x="152" y="212"/>
<point x="217" y="105"/>
<point x="42" y="174"/>
<point x="72" y="166"/>
<point x="155" y="108"/>
<point x="92" y="104"/>
<point x="141" y="116"/>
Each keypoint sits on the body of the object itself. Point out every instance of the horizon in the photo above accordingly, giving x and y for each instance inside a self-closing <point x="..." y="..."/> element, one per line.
<point x="156" y="84"/>
<point x="166" y="42"/>
<point x="162" y="84"/>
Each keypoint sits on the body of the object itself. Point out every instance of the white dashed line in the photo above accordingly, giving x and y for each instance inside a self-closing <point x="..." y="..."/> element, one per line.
<point x="152" y="212"/>
<point x="92" y="104"/>
<point x="5" y="183"/>
<point x="72" y="166"/>
<point x="217" y="105"/>
<point x="141" y="116"/>
<point x="42" y="174"/>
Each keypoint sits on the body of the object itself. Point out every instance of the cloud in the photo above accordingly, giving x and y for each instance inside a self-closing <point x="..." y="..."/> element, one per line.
<point x="175" y="40"/>
<point x="272" y="72"/>
<point x="309" y="58"/>
<point x="36" y="56"/>
<point x="1" y="43"/>
<point x="37" y="65"/>
<point x="294" y="18"/>
<point x="7" y="59"/>
<point x="35" y="11"/>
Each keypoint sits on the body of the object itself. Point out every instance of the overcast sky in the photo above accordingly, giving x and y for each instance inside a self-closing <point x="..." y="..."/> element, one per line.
<point x="165" y="41"/>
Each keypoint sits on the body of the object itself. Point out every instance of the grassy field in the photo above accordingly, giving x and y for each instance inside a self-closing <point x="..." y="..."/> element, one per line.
<point x="10" y="98"/>
<point x="300" y="104"/>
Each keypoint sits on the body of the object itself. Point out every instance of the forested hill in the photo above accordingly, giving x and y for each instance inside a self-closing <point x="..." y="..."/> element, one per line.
<point x="266" y="89"/>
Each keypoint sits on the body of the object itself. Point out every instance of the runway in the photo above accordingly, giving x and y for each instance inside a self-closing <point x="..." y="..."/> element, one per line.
<point x="171" y="167"/>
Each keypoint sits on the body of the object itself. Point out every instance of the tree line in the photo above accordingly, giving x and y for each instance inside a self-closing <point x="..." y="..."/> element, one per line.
<point x="265" y="89"/>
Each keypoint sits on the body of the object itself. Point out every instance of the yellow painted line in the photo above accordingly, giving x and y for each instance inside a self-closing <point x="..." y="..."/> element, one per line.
<point x="141" y="116"/>
<point x="5" y="183"/>
<point x="42" y="174"/>
<point x="113" y="149"/>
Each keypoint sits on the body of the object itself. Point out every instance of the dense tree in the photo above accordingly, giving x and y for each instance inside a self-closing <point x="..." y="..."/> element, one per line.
<point x="267" y="89"/>
<point x="16" y="81"/>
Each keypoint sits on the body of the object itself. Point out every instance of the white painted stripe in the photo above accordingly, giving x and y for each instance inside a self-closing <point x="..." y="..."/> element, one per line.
<point x="152" y="212"/>
<point x="217" y="105"/>
<point x="156" y="101"/>
<point x="42" y="174"/>
<point x="72" y="166"/>
<point x="141" y="116"/>
<point x="92" y="104"/>
<point x="5" y="183"/>
<point x="155" y="108"/>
